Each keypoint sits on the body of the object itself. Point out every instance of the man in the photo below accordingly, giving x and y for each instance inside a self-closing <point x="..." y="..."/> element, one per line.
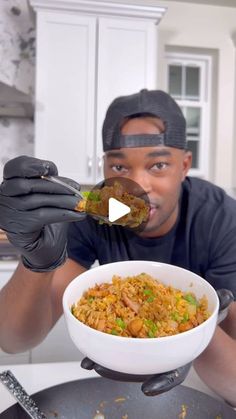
<point x="192" y="223"/>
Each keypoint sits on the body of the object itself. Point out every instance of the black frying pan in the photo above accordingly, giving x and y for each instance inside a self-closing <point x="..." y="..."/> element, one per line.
<point x="82" y="399"/>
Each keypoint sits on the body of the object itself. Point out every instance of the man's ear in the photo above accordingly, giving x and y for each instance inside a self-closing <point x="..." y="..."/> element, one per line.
<point x="187" y="163"/>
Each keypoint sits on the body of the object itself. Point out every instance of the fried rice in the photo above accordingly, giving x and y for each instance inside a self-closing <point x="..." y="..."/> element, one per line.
<point x="140" y="307"/>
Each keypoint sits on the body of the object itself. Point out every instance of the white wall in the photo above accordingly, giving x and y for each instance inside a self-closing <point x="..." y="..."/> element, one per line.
<point x="210" y="27"/>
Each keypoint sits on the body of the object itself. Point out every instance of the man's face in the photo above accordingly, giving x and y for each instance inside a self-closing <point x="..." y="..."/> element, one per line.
<point x="159" y="171"/>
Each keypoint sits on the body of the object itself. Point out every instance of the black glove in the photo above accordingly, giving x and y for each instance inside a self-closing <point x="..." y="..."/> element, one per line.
<point x="34" y="212"/>
<point x="226" y="297"/>
<point x="156" y="384"/>
<point x="152" y="384"/>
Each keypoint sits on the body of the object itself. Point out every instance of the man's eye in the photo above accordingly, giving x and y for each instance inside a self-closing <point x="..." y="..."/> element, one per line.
<point x="118" y="168"/>
<point x="159" y="166"/>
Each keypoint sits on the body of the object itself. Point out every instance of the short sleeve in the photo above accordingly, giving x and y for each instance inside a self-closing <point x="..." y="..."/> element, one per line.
<point x="81" y="245"/>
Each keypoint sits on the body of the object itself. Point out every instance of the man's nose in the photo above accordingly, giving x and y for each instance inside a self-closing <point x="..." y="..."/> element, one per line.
<point x="141" y="184"/>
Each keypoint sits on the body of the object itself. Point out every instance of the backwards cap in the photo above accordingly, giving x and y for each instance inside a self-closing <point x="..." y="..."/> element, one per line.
<point x="150" y="102"/>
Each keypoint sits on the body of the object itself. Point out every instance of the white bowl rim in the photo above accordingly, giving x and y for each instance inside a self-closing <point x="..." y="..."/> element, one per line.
<point x="148" y="341"/>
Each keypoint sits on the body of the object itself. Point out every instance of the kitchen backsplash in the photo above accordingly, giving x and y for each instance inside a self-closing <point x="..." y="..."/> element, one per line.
<point x="17" y="45"/>
<point x="16" y="138"/>
<point x="17" y="70"/>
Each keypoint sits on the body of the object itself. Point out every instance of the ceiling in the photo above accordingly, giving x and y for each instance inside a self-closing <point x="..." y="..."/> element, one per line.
<point x="224" y="3"/>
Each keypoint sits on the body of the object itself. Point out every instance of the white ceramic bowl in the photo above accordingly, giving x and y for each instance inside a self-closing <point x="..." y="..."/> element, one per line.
<point x="136" y="355"/>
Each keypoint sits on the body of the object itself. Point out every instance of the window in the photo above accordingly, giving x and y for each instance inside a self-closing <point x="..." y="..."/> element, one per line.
<point x="189" y="83"/>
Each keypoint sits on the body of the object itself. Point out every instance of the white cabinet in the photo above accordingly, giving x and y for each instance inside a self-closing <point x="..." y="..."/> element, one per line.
<point x="88" y="52"/>
<point x="65" y="89"/>
<point x="127" y="62"/>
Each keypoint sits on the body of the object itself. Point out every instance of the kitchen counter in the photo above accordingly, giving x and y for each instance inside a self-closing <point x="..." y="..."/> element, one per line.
<point x="36" y="377"/>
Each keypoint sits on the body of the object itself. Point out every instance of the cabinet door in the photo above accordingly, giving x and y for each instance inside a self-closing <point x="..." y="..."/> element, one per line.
<point x="127" y="62"/>
<point x="65" y="91"/>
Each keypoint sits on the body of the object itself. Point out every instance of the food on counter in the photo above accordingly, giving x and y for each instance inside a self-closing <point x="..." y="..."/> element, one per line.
<point x="99" y="415"/>
<point x="140" y="307"/>
<point x="120" y="399"/>
<point x="96" y="203"/>
<point x="183" y="413"/>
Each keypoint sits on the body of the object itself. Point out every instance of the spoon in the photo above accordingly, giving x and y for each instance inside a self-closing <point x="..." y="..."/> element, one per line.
<point x="76" y="193"/>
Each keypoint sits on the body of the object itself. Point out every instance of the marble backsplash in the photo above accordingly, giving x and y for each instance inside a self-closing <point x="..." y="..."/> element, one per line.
<point x="16" y="138"/>
<point x="17" y="69"/>
<point x="17" y="45"/>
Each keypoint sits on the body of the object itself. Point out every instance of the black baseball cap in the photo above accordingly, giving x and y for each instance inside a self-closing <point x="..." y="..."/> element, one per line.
<point x="155" y="103"/>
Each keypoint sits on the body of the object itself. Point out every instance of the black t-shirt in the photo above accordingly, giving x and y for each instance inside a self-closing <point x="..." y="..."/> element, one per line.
<point x="203" y="239"/>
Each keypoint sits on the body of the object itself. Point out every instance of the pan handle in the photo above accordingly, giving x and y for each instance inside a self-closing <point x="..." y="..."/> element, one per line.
<point x="18" y="392"/>
<point x="226" y="297"/>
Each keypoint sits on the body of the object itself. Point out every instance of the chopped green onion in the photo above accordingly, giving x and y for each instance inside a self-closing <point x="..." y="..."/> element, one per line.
<point x="148" y="322"/>
<point x="150" y="299"/>
<point x="72" y="309"/>
<point x="175" y="316"/>
<point x="147" y="292"/>
<point x="151" y="325"/>
<point x="114" y="332"/>
<point x="90" y="299"/>
<point x="91" y="196"/>
<point x="190" y="299"/>
<point x="121" y="323"/>
<point x="151" y="334"/>
<point x="85" y="194"/>
<point x="185" y="317"/>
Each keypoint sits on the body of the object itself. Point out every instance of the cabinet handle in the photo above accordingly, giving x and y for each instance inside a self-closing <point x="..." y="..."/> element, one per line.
<point x="89" y="165"/>
<point x="100" y="165"/>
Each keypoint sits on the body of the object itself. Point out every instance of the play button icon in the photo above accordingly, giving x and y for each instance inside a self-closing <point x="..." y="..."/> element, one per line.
<point x="122" y="202"/>
<point x="116" y="209"/>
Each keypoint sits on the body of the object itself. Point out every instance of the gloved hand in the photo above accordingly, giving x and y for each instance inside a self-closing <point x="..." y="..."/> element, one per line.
<point x="35" y="213"/>
<point x="226" y="297"/>
<point x="156" y="384"/>
<point x="153" y="385"/>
